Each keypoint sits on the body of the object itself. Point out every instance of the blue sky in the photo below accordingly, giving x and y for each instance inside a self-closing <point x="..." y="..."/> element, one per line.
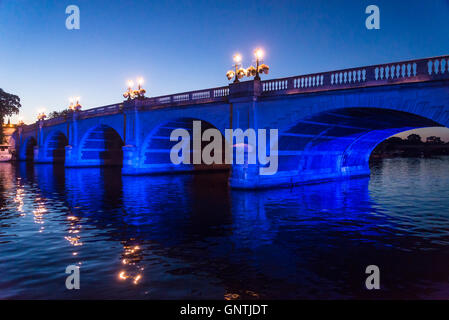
<point x="187" y="45"/>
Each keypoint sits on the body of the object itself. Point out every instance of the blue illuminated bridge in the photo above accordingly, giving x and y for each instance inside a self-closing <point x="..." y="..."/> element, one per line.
<point x="329" y="123"/>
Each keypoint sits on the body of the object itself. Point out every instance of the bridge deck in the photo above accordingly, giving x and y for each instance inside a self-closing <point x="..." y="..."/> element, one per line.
<point x="412" y="71"/>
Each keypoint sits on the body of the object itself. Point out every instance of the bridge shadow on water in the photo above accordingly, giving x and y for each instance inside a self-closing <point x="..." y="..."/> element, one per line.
<point x="190" y="236"/>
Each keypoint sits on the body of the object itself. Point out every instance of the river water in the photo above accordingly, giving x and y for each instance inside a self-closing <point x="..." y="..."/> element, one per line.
<point x="191" y="237"/>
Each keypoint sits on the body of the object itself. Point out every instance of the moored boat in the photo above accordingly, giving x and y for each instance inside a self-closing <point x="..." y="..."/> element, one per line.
<point x="5" y="155"/>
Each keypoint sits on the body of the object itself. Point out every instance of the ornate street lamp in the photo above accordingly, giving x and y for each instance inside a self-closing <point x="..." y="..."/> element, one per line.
<point x="132" y="94"/>
<point x="41" y="116"/>
<point x="129" y="93"/>
<point x="238" y="71"/>
<point x="260" y="68"/>
<point x="250" y="71"/>
<point x="76" y="106"/>
<point x="140" y="92"/>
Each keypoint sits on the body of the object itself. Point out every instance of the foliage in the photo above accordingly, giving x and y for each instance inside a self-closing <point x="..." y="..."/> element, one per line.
<point x="414" y="138"/>
<point x="9" y="105"/>
<point x="57" y="114"/>
<point x="412" y="146"/>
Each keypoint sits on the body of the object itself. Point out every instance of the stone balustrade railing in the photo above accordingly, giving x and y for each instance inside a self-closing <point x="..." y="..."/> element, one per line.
<point x="383" y="74"/>
<point x="192" y="97"/>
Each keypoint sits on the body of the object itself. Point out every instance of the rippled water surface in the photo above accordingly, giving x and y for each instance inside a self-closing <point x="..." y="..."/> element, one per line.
<point x="189" y="236"/>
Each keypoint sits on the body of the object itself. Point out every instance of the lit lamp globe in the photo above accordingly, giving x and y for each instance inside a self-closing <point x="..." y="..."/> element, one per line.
<point x="41" y="115"/>
<point x="237" y="72"/>
<point x="129" y="93"/>
<point x="237" y="58"/>
<point x="260" y="68"/>
<point x="259" y="54"/>
<point x="71" y="107"/>
<point x="77" y="106"/>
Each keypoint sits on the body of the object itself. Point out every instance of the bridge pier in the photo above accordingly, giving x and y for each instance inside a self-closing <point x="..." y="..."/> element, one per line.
<point x="132" y="164"/>
<point x="71" y="149"/>
<point x="243" y="99"/>
<point x="131" y="149"/>
<point x="245" y="177"/>
<point x="70" y="160"/>
<point x="36" y="155"/>
<point x="249" y="177"/>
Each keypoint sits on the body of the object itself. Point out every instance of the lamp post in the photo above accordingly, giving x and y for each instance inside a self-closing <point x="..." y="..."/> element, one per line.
<point x="259" y="55"/>
<point x="238" y="71"/>
<point x="133" y="94"/>
<point x="129" y="93"/>
<point x="237" y="60"/>
<point x="71" y="104"/>
<point x="77" y="106"/>
<point x="140" y="91"/>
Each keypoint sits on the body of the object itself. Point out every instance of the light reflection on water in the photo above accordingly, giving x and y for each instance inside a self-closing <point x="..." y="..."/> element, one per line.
<point x="184" y="236"/>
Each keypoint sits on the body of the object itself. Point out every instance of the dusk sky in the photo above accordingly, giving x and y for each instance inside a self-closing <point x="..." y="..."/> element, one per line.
<point x="188" y="45"/>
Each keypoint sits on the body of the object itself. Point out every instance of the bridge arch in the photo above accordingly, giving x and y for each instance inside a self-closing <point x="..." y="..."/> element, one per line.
<point x="27" y="149"/>
<point x="55" y="146"/>
<point x="154" y="155"/>
<point x="339" y="142"/>
<point x="101" y="146"/>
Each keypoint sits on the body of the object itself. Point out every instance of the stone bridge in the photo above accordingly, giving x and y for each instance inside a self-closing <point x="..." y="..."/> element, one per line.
<point x="329" y="123"/>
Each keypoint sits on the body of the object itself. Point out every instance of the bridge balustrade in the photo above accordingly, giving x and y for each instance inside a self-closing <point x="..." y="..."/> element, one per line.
<point x="383" y="74"/>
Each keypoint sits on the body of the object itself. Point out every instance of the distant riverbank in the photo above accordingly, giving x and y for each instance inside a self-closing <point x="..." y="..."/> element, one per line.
<point x="413" y="146"/>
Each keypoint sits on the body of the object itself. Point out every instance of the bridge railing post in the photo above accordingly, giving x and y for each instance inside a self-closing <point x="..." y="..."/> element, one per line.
<point x="422" y="68"/>
<point x="72" y="138"/>
<point x="370" y="74"/>
<point x="290" y="83"/>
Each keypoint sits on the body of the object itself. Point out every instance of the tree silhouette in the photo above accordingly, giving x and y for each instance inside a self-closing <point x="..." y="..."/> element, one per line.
<point x="57" y="114"/>
<point x="395" y="140"/>
<point x="9" y="105"/>
<point x="414" y="139"/>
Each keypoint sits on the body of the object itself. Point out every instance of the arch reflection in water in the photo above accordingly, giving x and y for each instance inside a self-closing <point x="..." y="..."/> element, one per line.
<point x="190" y="236"/>
<point x="198" y="222"/>
<point x="178" y="206"/>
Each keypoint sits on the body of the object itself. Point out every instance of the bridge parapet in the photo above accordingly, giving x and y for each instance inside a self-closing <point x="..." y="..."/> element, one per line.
<point x="94" y="112"/>
<point x="376" y="75"/>
<point x="55" y="121"/>
<point x="30" y="127"/>
<point x="410" y="71"/>
<point x="192" y="97"/>
<point x="104" y="110"/>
